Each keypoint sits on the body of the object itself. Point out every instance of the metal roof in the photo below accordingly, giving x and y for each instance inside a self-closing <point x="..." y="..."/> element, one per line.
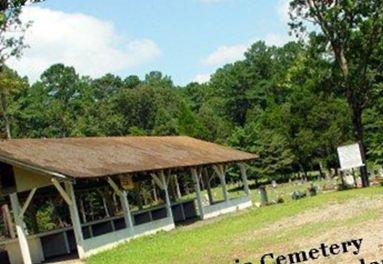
<point x="106" y="156"/>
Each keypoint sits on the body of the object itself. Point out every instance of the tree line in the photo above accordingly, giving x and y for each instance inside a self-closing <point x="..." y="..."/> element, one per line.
<point x="292" y="105"/>
<point x="278" y="102"/>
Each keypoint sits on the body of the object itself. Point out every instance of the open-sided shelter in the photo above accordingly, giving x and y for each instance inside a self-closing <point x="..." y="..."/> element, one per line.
<point x="69" y="164"/>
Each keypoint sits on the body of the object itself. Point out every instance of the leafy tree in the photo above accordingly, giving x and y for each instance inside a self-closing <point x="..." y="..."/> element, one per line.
<point x="106" y="86"/>
<point x="157" y="79"/>
<point x="211" y="115"/>
<point x="196" y="94"/>
<point x="318" y="117"/>
<point x="136" y="131"/>
<point x="132" y="81"/>
<point x="149" y="107"/>
<point x="354" y="31"/>
<point x="10" y="83"/>
<point x="137" y="107"/>
<point x="278" y="102"/>
<point x="374" y="128"/>
<point x="188" y="124"/>
<point x="232" y="84"/>
<point x="11" y="45"/>
<point x="56" y="106"/>
<point x="275" y="157"/>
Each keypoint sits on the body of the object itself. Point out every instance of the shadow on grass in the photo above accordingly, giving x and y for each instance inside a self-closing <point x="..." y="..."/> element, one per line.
<point x="188" y="222"/>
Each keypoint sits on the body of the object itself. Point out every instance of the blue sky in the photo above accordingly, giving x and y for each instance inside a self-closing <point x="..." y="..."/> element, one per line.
<point x="186" y="39"/>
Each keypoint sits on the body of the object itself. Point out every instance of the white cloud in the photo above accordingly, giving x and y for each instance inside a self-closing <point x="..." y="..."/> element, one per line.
<point x="277" y="40"/>
<point x="229" y="54"/>
<point x="283" y="10"/>
<point x="91" y="45"/>
<point x="226" y="54"/>
<point x="202" y="78"/>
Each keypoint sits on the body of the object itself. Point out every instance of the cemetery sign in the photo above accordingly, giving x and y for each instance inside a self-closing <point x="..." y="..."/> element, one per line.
<point x="350" y="157"/>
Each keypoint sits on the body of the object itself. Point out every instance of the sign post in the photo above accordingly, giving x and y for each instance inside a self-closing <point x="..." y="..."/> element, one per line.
<point x="350" y="157"/>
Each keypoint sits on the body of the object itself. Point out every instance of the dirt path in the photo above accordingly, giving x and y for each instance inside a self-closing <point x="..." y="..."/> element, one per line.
<point x="370" y="230"/>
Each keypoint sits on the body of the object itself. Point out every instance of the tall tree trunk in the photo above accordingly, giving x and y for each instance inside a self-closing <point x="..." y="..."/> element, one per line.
<point x="356" y="108"/>
<point x="359" y="137"/>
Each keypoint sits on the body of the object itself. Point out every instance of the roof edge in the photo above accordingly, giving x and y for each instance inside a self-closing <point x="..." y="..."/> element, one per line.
<point x="32" y="167"/>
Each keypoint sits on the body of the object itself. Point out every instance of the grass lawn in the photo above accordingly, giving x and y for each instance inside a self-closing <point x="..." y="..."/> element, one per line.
<point x="293" y="225"/>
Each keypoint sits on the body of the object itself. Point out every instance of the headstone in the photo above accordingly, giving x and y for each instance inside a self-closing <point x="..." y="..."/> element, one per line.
<point x="274" y="184"/>
<point x="349" y="180"/>
<point x="263" y="195"/>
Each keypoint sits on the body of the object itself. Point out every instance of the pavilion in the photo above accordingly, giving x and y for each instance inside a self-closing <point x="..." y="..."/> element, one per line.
<point x="68" y="166"/>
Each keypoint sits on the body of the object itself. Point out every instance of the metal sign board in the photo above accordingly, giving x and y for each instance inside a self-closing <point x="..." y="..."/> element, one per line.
<point x="350" y="157"/>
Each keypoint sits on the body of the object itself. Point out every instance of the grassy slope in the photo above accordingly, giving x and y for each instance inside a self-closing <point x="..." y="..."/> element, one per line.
<point x="220" y="240"/>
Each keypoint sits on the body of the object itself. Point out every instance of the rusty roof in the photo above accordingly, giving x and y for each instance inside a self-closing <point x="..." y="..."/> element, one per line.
<point x="107" y="156"/>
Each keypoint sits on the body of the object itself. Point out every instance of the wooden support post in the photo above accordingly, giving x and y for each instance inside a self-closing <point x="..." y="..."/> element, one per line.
<point x="242" y="167"/>
<point x="178" y="190"/>
<point x="67" y="247"/>
<point x="20" y="229"/>
<point x="75" y="218"/>
<point x="124" y="203"/>
<point x="107" y="214"/>
<point x="200" y="177"/>
<point x="62" y="192"/>
<point x="158" y="181"/>
<point x="155" y="196"/>
<point x="198" y="191"/>
<point x="183" y="212"/>
<point x="82" y="209"/>
<point x="7" y="218"/>
<point x="27" y="202"/>
<point x="220" y="170"/>
<point x="207" y="180"/>
<point x="165" y="185"/>
<point x="125" y="206"/>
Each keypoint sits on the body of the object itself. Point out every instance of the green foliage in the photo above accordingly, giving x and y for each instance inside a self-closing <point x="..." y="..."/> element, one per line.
<point x="10" y="84"/>
<point x="374" y="128"/>
<point x="45" y="217"/>
<point x="279" y="103"/>
<point x="274" y="154"/>
<point x="353" y="31"/>
<point x="188" y="124"/>
<point x="136" y="131"/>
